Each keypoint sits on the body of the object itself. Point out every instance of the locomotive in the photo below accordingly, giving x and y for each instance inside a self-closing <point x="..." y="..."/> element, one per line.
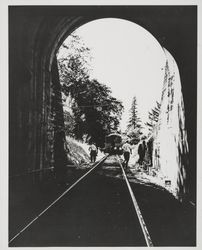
<point x="113" y="144"/>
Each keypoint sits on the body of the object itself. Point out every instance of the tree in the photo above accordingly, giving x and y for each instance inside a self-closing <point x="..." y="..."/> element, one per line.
<point x="134" y="120"/>
<point x="96" y="112"/>
<point x="134" y="125"/>
<point x="69" y="123"/>
<point x="153" y="117"/>
<point x="73" y="60"/>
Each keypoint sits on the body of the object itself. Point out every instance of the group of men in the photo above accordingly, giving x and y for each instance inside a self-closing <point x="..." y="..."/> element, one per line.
<point x="127" y="151"/>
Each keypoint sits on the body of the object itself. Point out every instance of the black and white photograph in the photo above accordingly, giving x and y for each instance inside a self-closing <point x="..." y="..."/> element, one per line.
<point x="102" y="125"/>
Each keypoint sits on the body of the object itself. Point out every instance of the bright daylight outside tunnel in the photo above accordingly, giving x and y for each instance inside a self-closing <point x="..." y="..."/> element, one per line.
<point x="102" y="126"/>
<point x="116" y="78"/>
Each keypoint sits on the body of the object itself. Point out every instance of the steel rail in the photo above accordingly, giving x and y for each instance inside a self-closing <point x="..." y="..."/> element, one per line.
<point x="137" y="209"/>
<point x="54" y="202"/>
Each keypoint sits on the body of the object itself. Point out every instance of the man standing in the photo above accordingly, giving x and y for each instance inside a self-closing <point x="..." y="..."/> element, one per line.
<point x="141" y="151"/>
<point x="150" y="150"/>
<point x="126" y="153"/>
<point x="93" y="152"/>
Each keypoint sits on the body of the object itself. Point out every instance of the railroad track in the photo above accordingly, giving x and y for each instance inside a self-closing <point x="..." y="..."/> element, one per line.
<point x="137" y="209"/>
<point x="144" y="229"/>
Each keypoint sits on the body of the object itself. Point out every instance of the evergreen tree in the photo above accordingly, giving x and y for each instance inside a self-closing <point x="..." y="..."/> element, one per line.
<point x="153" y="117"/>
<point x="134" y="125"/>
<point x="134" y="120"/>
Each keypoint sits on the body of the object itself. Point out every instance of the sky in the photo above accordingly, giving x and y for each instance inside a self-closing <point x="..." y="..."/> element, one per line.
<point x="128" y="59"/>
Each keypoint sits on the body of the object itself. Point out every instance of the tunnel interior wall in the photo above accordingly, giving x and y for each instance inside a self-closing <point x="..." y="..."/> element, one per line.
<point x="24" y="101"/>
<point x="35" y="111"/>
<point x="170" y="149"/>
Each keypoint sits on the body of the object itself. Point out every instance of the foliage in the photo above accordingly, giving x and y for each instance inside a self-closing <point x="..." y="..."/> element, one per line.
<point x="96" y="112"/>
<point x="73" y="60"/>
<point x="69" y="123"/>
<point x="134" y="125"/>
<point x="134" y="120"/>
<point x="153" y="117"/>
<point x="77" y="152"/>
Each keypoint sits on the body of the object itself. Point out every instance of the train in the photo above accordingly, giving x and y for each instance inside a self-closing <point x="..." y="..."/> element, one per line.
<point x="113" y="144"/>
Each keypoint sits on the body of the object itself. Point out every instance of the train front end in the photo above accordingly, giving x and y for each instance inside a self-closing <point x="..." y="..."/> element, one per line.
<point x="113" y="144"/>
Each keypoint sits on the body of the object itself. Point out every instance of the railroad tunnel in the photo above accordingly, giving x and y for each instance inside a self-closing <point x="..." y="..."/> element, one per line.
<point x="36" y="33"/>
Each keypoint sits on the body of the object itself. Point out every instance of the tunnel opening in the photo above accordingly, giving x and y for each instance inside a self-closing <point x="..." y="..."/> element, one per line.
<point x="170" y="164"/>
<point x="35" y="37"/>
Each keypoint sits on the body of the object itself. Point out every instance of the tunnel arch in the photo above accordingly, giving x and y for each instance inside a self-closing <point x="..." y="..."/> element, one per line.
<point x="39" y="32"/>
<point x="64" y="27"/>
<point x="61" y="30"/>
<point x="67" y="28"/>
